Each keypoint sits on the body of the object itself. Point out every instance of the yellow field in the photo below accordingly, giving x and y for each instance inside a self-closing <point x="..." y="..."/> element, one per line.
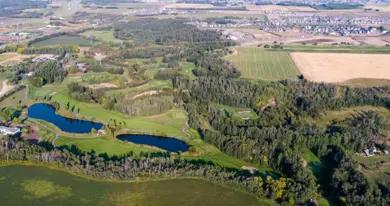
<point x="340" y="67"/>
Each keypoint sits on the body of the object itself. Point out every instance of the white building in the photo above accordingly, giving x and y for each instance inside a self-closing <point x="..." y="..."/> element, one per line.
<point x="9" y="130"/>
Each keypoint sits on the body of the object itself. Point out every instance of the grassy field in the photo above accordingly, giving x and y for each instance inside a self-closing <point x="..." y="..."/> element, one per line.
<point x="18" y="98"/>
<point x="102" y="35"/>
<point x="258" y="63"/>
<point x="43" y="186"/>
<point x="235" y="112"/>
<point x="376" y="168"/>
<point x="339" y="115"/>
<point x="186" y="69"/>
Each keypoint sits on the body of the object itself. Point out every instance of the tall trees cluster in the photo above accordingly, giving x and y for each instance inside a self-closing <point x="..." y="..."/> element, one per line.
<point x="280" y="133"/>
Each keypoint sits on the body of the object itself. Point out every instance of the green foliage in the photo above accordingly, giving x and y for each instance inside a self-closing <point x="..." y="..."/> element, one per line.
<point x="46" y="73"/>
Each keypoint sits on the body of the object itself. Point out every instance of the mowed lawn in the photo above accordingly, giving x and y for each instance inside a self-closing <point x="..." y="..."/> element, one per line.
<point x="257" y="63"/>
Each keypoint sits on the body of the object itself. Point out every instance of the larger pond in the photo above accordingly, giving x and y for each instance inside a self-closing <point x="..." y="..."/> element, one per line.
<point x="30" y="185"/>
<point x="166" y="143"/>
<point x="47" y="112"/>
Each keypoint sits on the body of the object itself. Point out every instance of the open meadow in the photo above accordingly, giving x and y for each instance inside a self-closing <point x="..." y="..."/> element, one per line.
<point x="258" y="63"/>
<point x="43" y="186"/>
<point x="340" y="67"/>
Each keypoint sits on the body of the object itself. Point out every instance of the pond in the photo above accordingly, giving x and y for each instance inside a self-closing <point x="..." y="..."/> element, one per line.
<point x="47" y="113"/>
<point x="166" y="143"/>
<point x="32" y="185"/>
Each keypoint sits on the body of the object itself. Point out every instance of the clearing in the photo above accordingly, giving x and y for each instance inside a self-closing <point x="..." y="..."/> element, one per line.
<point x="258" y="63"/>
<point x="340" y="67"/>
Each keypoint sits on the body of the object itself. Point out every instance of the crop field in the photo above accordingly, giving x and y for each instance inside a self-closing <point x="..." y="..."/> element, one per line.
<point x="340" y="67"/>
<point x="63" y="40"/>
<point x="43" y="186"/>
<point x="257" y="63"/>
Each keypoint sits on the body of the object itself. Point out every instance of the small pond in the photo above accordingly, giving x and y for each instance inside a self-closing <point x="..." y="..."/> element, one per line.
<point x="47" y="113"/>
<point x="166" y="143"/>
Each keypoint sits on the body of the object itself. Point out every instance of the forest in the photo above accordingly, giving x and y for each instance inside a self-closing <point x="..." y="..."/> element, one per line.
<point x="277" y="137"/>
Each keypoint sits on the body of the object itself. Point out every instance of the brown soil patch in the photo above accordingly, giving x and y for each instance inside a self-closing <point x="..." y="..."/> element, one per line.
<point x="12" y="58"/>
<point x="188" y="6"/>
<point x="102" y="86"/>
<point x="340" y="67"/>
<point x="268" y="8"/>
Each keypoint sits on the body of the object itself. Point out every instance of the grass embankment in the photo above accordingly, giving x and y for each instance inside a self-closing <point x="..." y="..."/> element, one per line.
<point x="258" y="63"/>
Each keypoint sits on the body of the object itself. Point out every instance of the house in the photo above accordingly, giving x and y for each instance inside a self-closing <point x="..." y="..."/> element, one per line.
<point x="9" y="130"/>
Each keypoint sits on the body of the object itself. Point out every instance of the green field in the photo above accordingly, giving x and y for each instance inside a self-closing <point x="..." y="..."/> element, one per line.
<point x="102" y="35"/>
<point x="238" y="113"/>
<point x="258" y="63"/>
<point x="43" y="186"/>
<point x="376" y="168"/>
<point x="63" y="40"/>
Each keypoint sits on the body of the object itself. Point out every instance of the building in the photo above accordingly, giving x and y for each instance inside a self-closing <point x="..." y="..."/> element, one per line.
<point x="9" y="130"/>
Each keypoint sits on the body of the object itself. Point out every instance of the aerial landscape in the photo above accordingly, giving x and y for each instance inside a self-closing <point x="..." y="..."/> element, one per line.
<point x="195" y="102"/>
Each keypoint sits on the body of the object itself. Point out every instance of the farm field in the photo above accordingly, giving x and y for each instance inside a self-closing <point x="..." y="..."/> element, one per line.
<point x="63" y="40"/>
<point x="12" y="58"/>
<point x="335" y="49"/>
<point x="257" y="63"/>
<point x="340" y="67"/>
<point x="44" y="186"/>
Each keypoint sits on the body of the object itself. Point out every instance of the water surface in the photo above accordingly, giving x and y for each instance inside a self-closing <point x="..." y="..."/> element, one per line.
<point x="166" y="143"/>
<point x="47" y="113"/>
